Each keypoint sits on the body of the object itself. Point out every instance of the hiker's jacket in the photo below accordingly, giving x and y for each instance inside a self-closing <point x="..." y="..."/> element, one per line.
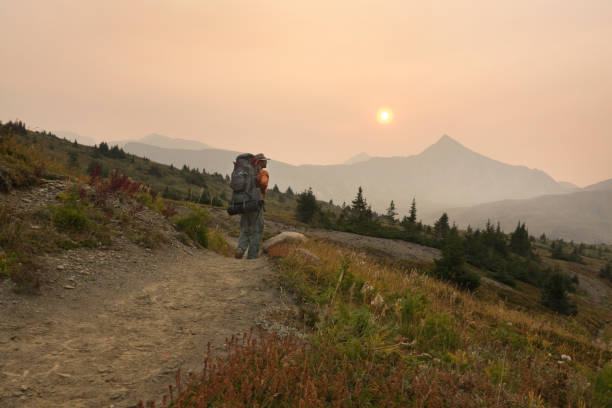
<point x="262" y="181"/>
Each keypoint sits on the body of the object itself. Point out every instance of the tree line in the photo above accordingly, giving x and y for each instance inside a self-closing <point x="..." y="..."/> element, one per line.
<point x="506" y="257"/>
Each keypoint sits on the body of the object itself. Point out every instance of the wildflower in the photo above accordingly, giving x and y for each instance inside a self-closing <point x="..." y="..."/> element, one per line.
<point x="378" y="300"/>
<point x="367" y="288"/>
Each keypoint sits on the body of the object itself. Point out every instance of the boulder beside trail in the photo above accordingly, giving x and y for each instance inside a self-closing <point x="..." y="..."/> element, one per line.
<point x="285" y="237"/>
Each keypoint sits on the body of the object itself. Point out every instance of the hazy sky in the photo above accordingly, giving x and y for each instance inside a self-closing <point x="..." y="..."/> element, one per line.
<point x="524" y="82"/>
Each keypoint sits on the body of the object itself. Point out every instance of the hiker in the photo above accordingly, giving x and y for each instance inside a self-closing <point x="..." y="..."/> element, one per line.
<point x="249" y="184"/>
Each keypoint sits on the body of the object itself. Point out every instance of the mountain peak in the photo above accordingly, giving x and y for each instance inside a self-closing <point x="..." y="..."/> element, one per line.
<point x="447" y="140"/>
<point x="154" y="137"/>
<point x="446" y="145"/>
<point x="358" y="158"/>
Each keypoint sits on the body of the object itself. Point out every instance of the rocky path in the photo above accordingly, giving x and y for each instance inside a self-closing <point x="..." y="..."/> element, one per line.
<point x="391" y="248"/>
<point x="113" y="327"/>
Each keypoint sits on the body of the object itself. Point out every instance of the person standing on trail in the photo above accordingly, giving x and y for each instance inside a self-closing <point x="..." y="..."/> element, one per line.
<point x="252" y="222"/>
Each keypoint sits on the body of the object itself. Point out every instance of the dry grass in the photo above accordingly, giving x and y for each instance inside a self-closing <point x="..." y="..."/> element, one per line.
<point x="218" y="243"/>
<point x="24" y="166"/>
<point x="381" y="336"/>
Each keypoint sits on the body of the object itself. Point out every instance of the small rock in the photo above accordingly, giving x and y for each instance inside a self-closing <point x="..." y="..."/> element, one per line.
<point x="61" y="267"/>
<point x="69" y="287"/>
<point x="309" y="256"/>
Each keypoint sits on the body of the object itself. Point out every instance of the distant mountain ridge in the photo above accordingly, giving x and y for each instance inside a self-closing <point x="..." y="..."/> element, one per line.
<point x="445" y="175"/>
<point x="211" y="160"/>
<point x="601" y="186"/>
<point x="583" y="216"/>
<point x="165" y="142"/>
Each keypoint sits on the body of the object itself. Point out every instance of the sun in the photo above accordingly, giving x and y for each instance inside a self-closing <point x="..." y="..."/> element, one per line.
<point x="384" y="115"/>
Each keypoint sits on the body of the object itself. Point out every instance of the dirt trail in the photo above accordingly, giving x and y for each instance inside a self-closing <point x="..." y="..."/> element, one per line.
<point x="115" y="326"/>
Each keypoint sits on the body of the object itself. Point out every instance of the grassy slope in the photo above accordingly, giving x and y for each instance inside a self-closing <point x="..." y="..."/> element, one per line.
<point x="22" y="164"/>
<point x="377" y="334"/>
<point x="137" y="168"/>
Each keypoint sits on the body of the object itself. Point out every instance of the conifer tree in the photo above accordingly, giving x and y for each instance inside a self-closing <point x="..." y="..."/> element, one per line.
<point x="554" y="294"/>
<point x="359" y="203"/>
<point x="519" y="240"/>
<point x="391" y="213"/>
<point x="413" y="212"/>
<point x="361" y="214"/>
<point x="557" y="249"/>
<point x="441" y="227"/>
<point x="359" y="207"/>
<point x="103" y="148"/>
<point x="307" y="206"/>
<point x="451" y="267"/>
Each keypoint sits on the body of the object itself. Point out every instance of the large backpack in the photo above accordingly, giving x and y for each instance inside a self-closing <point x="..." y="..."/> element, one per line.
<point x="246" y="196"/>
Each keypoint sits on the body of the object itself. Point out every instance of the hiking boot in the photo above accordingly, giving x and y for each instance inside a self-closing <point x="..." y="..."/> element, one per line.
<point x="238" y="254"/>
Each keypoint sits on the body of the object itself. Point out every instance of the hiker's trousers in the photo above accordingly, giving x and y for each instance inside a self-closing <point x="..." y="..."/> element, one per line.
<point x="251" y="233"/>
